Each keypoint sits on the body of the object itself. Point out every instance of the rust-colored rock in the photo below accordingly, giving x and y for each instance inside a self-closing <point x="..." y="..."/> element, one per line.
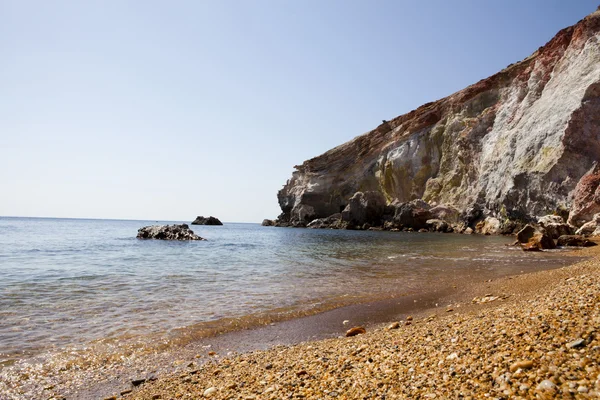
<point x="357" y="330"/>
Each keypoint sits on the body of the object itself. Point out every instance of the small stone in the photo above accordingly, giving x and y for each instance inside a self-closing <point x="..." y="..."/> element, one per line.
<point x="301" y="373"/>
<point x="357" y="330"/>
<point x="156" y="397"/>
<point x="126" y="391"/>
<point x="345" y="322"/>
<point x="576" y="343"/>
<point x="582" y="389"/>
<point x="526" y="364"/>
<point x="111" y="398"/>
<point x="546" y="385"/>
<point x="394" y="325"/>
<point x="138" y="382"/>
<point x="211" y="353"/>
<point x="409" y="318"/>
<point x="268" y="366"/>
<point x="524" y="387"/>
<point x="210" y="391"/>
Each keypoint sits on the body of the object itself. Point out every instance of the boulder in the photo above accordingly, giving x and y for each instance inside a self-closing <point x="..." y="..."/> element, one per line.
<point x="268" y="222"/>
<point x="574" y="241"/>
<point x="591" y="228"/>
<point x="438" y="225"/>
<point x="555" y="226"/>
<point x="413" y="214"/>
<point x="534" y="239"/>
<point x="526" y="233"/>
<point x="539" y="241"/>
<point x="330" y="222"/>
<point x="586" y="198"/>
<point x="367" y="207"/>
<point x="489" y="226"/>
<point x="445" y="213"/>
<point x="206" y="221"/>
<point x="168" y="232"/>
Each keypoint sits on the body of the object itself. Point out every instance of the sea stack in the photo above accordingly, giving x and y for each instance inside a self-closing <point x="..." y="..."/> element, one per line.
<point x="502" y="152"/>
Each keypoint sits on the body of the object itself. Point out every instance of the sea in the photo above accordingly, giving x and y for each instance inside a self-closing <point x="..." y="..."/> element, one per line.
<point x="66" y="284"/>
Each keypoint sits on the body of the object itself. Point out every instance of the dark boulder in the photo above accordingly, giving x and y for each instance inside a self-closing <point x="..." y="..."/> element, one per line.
<point x="367" y="207"/>
<point x="207" y="221"/>
<point x="574" y="241"/>
<point x="168" y="232"/>
<point x="268" y="222"/>
<point x="526" y="233"/>
<point x="413" y="214"/>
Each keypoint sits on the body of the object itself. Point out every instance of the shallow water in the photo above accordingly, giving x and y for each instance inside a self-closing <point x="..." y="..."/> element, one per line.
<point x="66" y="283"/>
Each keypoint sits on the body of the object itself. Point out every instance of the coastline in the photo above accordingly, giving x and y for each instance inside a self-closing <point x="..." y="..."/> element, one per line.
<point x="473" y="349"/>
<point x="321" y="330"/>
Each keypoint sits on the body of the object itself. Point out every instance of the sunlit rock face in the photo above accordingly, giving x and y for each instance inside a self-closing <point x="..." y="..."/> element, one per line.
<point x="513" y="146"/>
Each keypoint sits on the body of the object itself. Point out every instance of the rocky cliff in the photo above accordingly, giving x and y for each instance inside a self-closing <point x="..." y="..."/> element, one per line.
<point x="513" y="146"/>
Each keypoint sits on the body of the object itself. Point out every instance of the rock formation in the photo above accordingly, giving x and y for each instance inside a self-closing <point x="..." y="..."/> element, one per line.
<point x="520" y="144"/>
<point x="207" y="221"/>
<point x="168" y="232"/>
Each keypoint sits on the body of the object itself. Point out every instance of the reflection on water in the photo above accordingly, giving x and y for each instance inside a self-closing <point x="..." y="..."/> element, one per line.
<point x="71" y="282"/>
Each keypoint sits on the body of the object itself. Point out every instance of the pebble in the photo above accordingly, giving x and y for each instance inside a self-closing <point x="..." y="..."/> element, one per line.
<point x="546" y="385"/>
<point x="526" y="364"/>
<point x="393" y="325"/>
<point x="357" y="330"/>
<point x="210" y="391"/>
<point x="576" y="343"/>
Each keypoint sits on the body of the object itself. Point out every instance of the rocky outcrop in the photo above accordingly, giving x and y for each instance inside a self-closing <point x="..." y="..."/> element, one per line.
<point x="207" y="221"/>
<point x="268" y="222"/>
<point x="511" y="147"/>
<point x="413" y="214"/>
<point x="586" y="198"/>
<point x="168" y="232"/>
<point x="591" y="228"/>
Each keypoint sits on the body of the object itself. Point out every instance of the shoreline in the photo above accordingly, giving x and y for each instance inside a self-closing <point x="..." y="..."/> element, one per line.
<point x="514" y="294"/>
<point x="115" y="378"/>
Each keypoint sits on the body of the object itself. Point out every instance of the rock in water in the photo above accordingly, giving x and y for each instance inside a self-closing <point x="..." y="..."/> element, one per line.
<point x="207" y="221"/>
<point x="168" y="232"/>
<point x="268" y="222"/>
<point x="513" y="146"/>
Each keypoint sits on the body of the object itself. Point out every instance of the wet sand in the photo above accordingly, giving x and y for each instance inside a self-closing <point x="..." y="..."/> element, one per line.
<point x="527" y="336"/>
<point x="168" y="372"/>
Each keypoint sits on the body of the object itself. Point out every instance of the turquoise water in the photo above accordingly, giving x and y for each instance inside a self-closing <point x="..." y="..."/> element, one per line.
<point x="66" y="283"/>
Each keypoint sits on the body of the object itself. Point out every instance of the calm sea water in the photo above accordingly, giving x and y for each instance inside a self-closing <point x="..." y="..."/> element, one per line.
<point x="68" y="282"/>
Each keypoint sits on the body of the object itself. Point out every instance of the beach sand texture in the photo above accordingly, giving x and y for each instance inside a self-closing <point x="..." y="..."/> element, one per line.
<point x="528" y="336"/>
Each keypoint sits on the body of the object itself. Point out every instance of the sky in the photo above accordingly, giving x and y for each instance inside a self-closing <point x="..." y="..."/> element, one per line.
<point x="168" y="110"/>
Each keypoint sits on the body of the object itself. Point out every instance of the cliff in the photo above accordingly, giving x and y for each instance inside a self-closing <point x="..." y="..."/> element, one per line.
<point x="513" y="146"/>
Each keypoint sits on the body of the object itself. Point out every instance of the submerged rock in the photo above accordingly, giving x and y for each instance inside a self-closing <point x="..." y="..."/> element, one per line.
<point x="207" y="221"/>
<point x="168" y="232"/>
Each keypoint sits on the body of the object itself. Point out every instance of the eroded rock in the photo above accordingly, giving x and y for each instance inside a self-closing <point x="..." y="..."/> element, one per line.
<point x="168" y="232"/>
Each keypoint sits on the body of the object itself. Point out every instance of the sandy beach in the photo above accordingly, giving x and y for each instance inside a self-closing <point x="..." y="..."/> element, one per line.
<point x="526" y="336"/>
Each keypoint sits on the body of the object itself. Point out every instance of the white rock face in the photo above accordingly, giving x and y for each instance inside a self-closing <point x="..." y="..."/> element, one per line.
<point x="512" y="146"/>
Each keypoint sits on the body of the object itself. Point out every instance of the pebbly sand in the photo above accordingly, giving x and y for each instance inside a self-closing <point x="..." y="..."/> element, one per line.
<point x="528" y="336"/>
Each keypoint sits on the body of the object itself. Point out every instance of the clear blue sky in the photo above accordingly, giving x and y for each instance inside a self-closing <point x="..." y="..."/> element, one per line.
<point x="172" y="109"/>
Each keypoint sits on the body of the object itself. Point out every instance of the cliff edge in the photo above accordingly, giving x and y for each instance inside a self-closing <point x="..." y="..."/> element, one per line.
<point x="513" y="146"/>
